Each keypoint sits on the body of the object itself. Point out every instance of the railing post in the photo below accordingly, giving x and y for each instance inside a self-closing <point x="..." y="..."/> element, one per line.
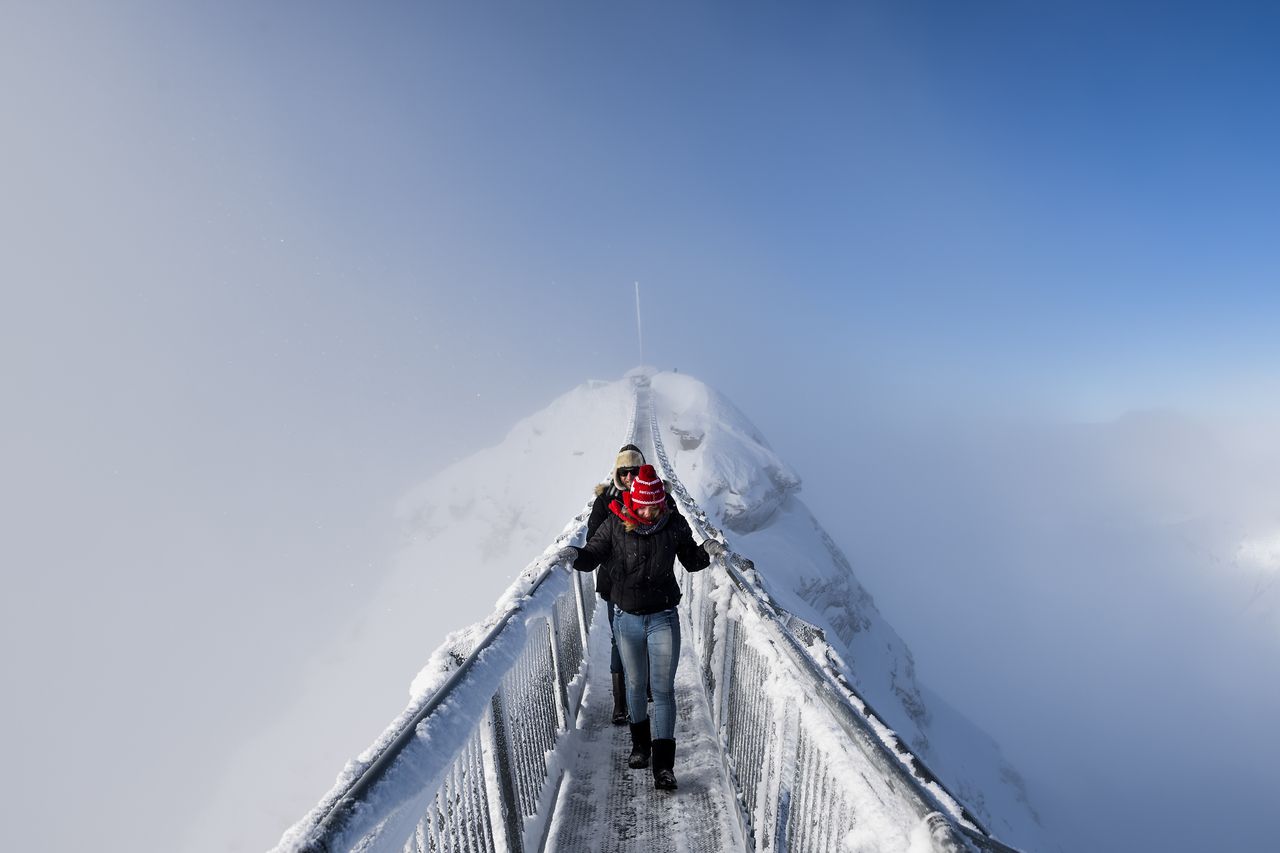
<point x="581" y="598"/>
<point x="559" y="674"/>
<point x="786" y="735"/>
<point x="722" y="665"/>
<point x="508" y="807"/>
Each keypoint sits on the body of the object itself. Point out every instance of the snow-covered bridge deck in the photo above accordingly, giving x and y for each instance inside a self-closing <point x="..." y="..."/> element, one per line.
<point x="606" y="806"/>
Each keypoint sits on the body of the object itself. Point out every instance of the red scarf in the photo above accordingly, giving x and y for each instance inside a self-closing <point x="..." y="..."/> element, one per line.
<point x="625" y="511"/>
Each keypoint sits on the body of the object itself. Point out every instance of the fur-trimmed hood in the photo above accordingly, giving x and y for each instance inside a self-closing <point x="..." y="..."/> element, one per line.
<point x="628" y="457"/>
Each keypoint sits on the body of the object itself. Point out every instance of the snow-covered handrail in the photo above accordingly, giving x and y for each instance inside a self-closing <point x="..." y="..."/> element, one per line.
<point x="465" y="767"/>
<point x="468" y="762"/>
<point x="761" y="680"/>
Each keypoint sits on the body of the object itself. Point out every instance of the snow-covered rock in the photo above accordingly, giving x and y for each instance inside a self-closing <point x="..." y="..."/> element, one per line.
<point x="741" y="480"/>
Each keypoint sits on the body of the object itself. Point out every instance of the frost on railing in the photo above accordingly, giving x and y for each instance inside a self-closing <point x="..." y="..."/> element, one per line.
<point x="815" y="768"/>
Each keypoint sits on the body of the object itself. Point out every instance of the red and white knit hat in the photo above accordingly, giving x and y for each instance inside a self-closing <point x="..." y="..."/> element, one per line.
<point x="646" y="489"/>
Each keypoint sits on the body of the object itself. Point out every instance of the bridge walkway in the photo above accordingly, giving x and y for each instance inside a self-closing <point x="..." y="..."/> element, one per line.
<point x="606" y="806"/>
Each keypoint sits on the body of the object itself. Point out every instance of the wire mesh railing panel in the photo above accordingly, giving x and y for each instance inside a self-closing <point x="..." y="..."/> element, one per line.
<point x="569" y="652"/>
<point x="458" y="819"/>
<point x="703" y="616"/>
<point x="820" y="817"/>
<point x="749" y="712"/>
<point x="587" y="593"/>
<point x="529" y="702"/>
<point x="707" y="651"/>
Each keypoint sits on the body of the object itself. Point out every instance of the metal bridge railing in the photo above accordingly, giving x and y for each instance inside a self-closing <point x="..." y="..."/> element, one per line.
<point x="813" y="764"/>
<point x="467" y="770"/>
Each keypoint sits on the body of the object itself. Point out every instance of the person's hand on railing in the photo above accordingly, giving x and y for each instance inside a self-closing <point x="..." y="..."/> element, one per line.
<point x="712" y="547"/>
<point x="567" y="555"/>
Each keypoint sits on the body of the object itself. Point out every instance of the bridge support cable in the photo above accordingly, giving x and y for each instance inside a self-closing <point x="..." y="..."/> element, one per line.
<point x="811" y="760"/>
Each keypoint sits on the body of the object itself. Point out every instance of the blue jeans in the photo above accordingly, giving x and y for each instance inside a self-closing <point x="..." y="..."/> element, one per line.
<point x="650" y="649"/>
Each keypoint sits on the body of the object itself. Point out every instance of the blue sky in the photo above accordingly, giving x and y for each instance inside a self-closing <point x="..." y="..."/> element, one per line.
<point x="267" y="265"/>
<point x="1068" y="205"/>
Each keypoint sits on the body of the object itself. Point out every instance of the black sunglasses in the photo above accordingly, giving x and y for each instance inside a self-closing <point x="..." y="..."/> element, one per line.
<point x="627" y="472"/>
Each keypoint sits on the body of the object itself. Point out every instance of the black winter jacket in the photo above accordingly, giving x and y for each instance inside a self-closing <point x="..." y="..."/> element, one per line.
<point x="605" y="495"/>
<point x="641" y="566"/>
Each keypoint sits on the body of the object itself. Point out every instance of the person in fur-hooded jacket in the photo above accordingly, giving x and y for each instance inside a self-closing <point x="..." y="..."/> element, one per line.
<point x="625" y="468"/>
<point x="640" y="541"/>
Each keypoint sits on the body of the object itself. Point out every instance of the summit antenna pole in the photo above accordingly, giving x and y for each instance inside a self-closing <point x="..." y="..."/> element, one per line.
<point x="639" y="332"/>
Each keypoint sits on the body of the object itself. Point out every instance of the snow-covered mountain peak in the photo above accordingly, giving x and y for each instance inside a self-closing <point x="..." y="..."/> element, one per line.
<point x="740" y="480"/>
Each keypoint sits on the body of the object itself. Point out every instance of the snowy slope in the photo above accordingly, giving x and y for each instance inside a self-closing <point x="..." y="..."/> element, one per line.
<point x="733" y="474"/>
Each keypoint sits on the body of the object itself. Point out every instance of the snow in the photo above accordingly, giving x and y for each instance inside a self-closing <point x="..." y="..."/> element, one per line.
<point x="741" y="481"/>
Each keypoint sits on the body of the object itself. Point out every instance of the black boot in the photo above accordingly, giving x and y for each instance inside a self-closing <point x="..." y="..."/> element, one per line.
<point x="640" y="745"/>
<point x="619" y="699"/>
<point x="664" y="758"/>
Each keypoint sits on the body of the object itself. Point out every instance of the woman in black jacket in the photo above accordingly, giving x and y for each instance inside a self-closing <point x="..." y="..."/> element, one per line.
<point x="625" y="468"/>
<point x="638" y="544"/>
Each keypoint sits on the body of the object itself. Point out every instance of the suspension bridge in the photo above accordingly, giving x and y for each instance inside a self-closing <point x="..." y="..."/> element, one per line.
<point x="514" y="752"/>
